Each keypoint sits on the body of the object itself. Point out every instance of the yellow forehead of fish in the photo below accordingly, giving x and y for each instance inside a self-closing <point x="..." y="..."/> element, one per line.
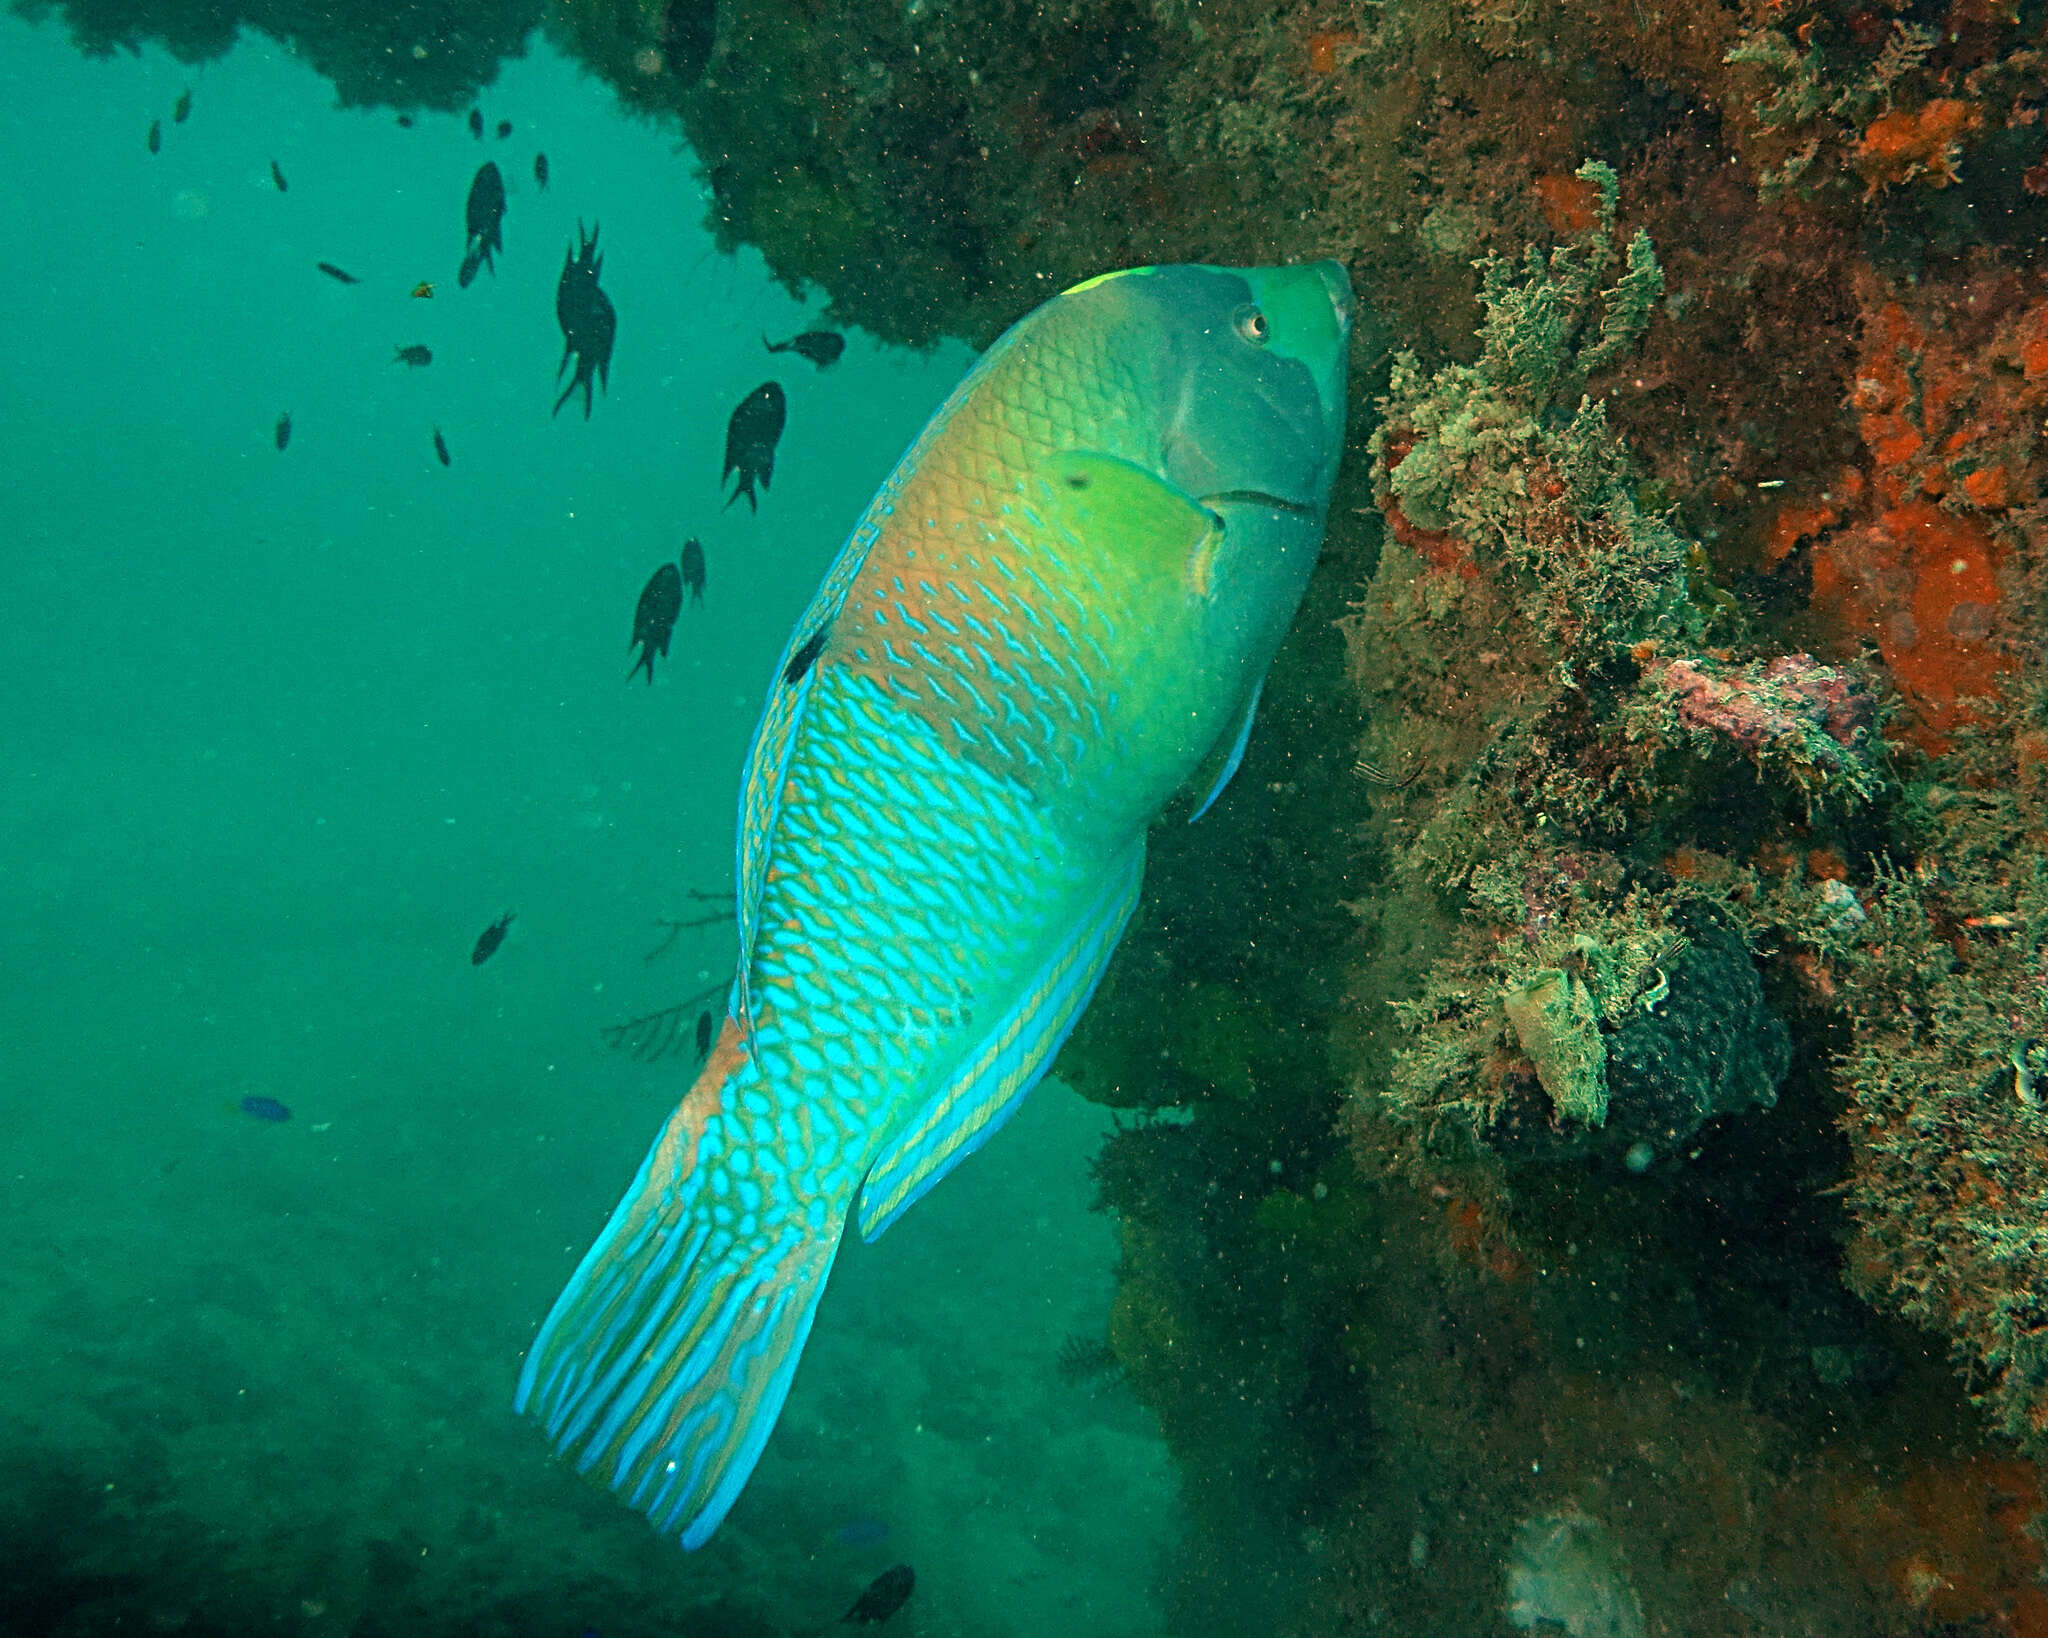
<point x="1306" y="307"/>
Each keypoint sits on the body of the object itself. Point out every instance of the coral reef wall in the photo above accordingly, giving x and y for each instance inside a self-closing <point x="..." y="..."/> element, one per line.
<point x="1605" y="1029"/>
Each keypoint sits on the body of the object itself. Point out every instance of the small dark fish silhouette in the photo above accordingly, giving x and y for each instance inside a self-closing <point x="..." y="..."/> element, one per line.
<point x="484" y="222"/>
<point x="750" y="439"/>
<point x="156" y="136"/>
<point x="804" y="658"/>
<point x="589" y="323"/>
<point x="540" y="172"/>
<point x="259" y="1107"/>
<point x="703" y="1033"/>
<point x="441" y="448"/>
<point x="693" y="568"/>
<point x="476" y="123"/>
<point x="885" y="1595"/>
<point x="405" y="120"/>
<point x="821" y="347"/>
<point x="489" y="939"/>
<point x="415" y="355"/>
<point x="277" y="176"/>
<point x="504" y="129"/>
<point x="284" y="430"/>
<point x="181" y="110"/>
<point x="338" y="275"/>
<point x="654" y="621"/>
<point x="423" y="291"/>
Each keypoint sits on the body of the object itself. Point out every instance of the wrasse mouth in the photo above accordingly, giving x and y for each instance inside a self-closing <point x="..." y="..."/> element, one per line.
<point x="1259" y="497"/>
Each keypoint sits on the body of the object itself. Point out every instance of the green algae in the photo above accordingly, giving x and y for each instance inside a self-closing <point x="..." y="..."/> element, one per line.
<point x="1553" y="1019"/>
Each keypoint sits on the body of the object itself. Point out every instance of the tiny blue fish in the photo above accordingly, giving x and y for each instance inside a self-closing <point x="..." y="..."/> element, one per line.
<point x="262" y="1108"/>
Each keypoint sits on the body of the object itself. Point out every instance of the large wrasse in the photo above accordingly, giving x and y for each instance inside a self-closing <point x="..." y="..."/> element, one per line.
<point x="1055" y="614"/>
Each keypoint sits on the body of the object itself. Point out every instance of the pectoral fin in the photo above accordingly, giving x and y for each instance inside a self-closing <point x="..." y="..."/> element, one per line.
<point x="1107" y="501"/>
<point x="1236" y="738"/>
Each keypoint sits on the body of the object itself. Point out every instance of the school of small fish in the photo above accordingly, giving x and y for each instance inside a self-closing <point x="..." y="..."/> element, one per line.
<point x="589" y="324"/>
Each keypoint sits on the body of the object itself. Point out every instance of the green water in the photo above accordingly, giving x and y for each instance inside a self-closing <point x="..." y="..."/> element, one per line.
<point x="279" y="734"/>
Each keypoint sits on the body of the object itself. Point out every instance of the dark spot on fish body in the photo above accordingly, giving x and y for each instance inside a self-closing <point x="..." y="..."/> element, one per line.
<point x="267" y="1109"/>
<point x="540" y="172"/>
<point x="156" y="136"/>
<point x="277" y="176"/>
<point x="405" y="121"/>
<point x="441" y="448"/>
<point x="414" y="357"/>
<point x="885" y="1595"/>
<point x="490" y="938"/>
<point x="804" y="658"/>
<point x="504" y="129"/>
<point x="284" y="431"/>
<point x="182" y="109"/>
<point x="476" y="123"/>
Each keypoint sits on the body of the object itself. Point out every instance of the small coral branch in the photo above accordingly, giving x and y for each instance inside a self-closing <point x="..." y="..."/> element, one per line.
<point x="676" y="928"/>
<point x="667" y="1032"/>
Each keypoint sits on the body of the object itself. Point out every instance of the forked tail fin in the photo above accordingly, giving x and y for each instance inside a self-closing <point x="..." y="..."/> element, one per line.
<point x="665" y="1361"/>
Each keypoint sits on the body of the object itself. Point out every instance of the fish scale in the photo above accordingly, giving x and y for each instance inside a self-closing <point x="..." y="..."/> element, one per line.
<point x="1037" y="632"/>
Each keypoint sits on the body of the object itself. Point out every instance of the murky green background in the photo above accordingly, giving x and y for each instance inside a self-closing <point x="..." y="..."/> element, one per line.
<point x="281" y="733"/>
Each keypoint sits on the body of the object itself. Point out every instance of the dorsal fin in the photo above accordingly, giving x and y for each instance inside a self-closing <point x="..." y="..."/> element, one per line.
<point x="782" y="714"/>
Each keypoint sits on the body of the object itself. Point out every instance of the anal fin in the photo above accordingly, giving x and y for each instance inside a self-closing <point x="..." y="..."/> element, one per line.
<point x="1007" y="1062"/>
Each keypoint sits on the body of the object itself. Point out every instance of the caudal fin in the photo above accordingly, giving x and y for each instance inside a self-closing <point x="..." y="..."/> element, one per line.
<point x="665" y="1361"/>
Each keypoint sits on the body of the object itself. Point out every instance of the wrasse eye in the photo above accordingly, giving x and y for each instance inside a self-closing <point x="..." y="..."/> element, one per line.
<point x="1251" y="326"/>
